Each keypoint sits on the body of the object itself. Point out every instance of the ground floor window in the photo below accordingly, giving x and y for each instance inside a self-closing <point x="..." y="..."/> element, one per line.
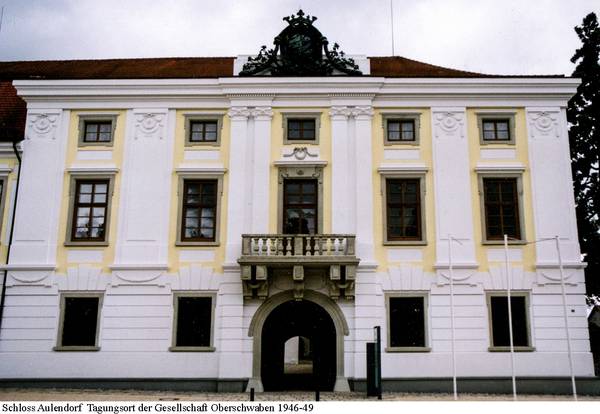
<point x="193" y="322"/>
<point x="407" y="327"/>
<point x="79" y="320"/>
<point x="499" y="326"/>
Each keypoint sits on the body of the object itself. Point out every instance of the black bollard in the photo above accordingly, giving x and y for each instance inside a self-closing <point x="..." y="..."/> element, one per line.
<point x="251" y="394"/>
<point x="317" y="395"/>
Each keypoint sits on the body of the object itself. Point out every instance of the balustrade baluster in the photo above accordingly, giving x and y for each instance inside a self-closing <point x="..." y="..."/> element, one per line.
<point x="288" y="246"/>
<point x="308" y="246"/>
<point x="254" y="246"/>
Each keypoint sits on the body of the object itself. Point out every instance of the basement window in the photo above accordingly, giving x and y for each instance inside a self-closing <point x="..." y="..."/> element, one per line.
<point x="407" y="330"/>
<point x="499" y="327"/>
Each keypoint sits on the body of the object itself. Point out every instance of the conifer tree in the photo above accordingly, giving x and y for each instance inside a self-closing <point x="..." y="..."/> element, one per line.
<point x="583" y="114"/>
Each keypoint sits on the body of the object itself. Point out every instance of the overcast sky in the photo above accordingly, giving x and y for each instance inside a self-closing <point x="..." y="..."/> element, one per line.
<point x="490" y="36"/>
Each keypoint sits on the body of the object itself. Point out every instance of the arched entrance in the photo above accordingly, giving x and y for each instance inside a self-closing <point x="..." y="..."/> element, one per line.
<point x="298" y="319"/>
<point x="281" y="317"/>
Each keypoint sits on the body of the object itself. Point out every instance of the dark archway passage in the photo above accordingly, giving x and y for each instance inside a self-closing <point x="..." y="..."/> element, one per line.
<point x="298" y="318"/>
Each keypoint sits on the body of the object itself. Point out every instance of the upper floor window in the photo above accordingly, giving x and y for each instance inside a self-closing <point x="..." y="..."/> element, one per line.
<point x="301" y="127"/>
<point x="203" y="129"/>
<point x="496" y="128"/>
<point x="97" y="130"/>
<point x="300" y="206"/>
<point x="403" y="209"/>
<point x="501" y="208"/>
<point x="199" y="214"/>
<point x="401" y="128"/>
<point x="90" y="210"/>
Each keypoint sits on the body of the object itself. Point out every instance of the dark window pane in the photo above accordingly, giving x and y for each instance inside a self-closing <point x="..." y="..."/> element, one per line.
<point x="200" y="200"/>
<point x="193" y="321"/>
<point x="407" y="322"/>
<point x="301" y="129"/>
<point x="80" y="316"/>
<point x="300" y="202"/>
<point x="500" y="328"/>
<point x="403" y="209"/>
<point x="501" y="208"/>
<point x="203" y="131"/>
<point x="90" y="208"/>
<point x="97" y="131"/>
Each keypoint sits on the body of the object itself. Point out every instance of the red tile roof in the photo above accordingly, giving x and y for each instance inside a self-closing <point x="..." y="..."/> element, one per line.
<point x="13" y="109"/>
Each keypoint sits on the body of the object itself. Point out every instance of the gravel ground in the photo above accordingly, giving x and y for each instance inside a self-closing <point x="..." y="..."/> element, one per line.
<point x="14" y="394"/>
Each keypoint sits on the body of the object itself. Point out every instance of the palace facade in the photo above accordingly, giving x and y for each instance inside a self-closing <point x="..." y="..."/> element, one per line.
<point x="179" y="220"/>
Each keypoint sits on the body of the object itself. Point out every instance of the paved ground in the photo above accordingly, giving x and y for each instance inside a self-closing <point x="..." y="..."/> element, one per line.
<point x="13" y="394"/>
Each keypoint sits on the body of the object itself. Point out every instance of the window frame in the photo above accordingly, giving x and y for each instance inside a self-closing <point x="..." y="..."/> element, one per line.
<point x="497" y="116"/>
<point x="61" y="320"/>
<point x="287" y="116"/>
<point x="89" y="118"/>
<point x="193" y="294"/>
<point x="189" y="118"/>
<point x="513" y="293"/>
<point x="110" y="177"/>
<point x="290" y="172"/>
<point x="3" y="195"/>
<point x="190" y="176"/>
<point x="422" y="241"/>
<point x="518" y="177"/>
<point x="315" y="205"/>
<point x="400" y="117"/>
<point x="426" y="322"/>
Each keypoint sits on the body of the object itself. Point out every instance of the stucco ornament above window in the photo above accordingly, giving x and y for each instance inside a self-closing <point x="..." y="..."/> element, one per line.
<point x="300" y="50"/>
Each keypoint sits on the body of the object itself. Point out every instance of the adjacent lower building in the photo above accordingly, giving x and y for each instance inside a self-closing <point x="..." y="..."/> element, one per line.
<point x="237" y="223"/>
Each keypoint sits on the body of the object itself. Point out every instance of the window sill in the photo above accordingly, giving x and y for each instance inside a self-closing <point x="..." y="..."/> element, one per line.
<point x="85" y="244"/>
<point x="507" y="349"/>
<point x="501" y="242"/>
<point x="300" y="141"/>
<point x="401" y="143"/>
<point x="507" y="144"/>
<point x="408" y="349"/>
<point x="405" y="243"/>
<point x="192" y="349"/>
<point x="93" y="145"/>
<point x="212" y="144"/>
<point x="76" y="348"/>
<point x="197" y="244"/>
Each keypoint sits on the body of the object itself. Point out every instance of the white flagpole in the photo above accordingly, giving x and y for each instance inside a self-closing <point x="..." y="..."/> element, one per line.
<point x="510" y="324"/>
<point x="392" y="17"/>
<point x="564" y="302"/>
<point x="451" y="272"/>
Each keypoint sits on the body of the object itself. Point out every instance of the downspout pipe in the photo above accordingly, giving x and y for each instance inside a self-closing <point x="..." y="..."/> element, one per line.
<point x="10" y="237"/>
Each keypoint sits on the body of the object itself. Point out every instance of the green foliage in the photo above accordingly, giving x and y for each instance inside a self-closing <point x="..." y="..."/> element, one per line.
<point x="583" y="114"/>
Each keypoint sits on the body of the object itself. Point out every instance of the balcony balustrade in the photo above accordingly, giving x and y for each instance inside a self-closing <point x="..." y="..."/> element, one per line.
<point x="334" y="253"/>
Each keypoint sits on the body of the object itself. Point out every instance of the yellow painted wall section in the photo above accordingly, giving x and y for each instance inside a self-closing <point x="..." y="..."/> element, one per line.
<point x="277" y="147"/>
<point x="7" y="202"/>
<point x="71" y="159"/>
<point x="178" y="160"/>
<point x="425" y="157"/>
<point x="522" y="157"/>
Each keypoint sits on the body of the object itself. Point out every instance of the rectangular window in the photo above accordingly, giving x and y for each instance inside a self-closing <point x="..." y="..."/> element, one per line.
<point x="496" y="129"/>
<point x="98" y="131"/>
<point x="500" y="330"/>
<point x="501" y="205"/>
<point x="193" y="322"/>
<point x="300" y="212"/>
<point x="89" y="221"/>
<point x="203" y="131"/>
<point x="399" y="130"/>
<point x="199" y="211"/>
<point x="79" y="322"/>
<point x="301" y="129"/>
<point x="403" y="209"/>
<point x="407" y="323"/>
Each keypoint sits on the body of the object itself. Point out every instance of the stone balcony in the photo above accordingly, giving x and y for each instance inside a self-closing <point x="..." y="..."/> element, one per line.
<point x="331" y="254"/>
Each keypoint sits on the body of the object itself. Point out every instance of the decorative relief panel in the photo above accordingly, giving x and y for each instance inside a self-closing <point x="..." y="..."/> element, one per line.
<point x="42" y="126"/>
<point x="300" y="153"/>
<point x="149" y="125"/>
<point x="543" y="123"/>
<point x="449" y="123"/>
